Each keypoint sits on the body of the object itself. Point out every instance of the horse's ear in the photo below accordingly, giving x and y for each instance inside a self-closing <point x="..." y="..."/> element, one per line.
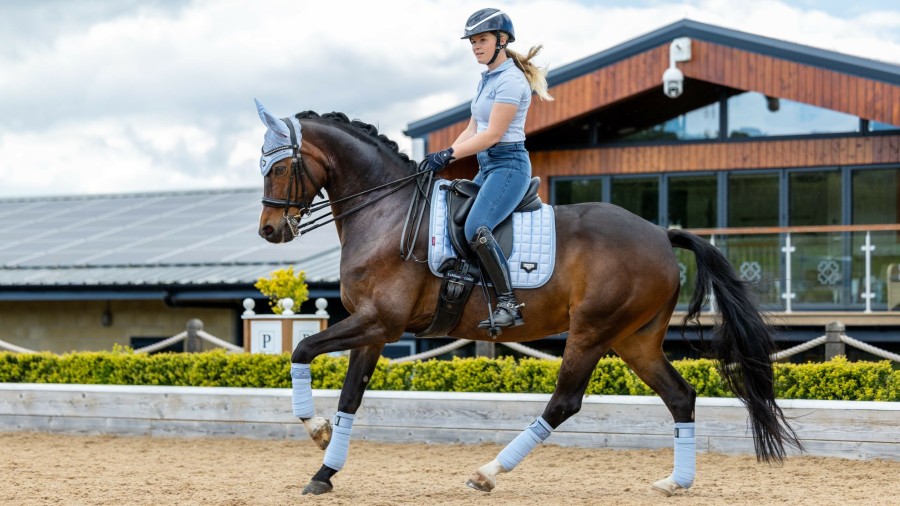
<point x="274" y="124"/>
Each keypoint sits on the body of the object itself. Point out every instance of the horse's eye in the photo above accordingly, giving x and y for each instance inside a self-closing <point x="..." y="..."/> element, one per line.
<point x="280" y="170"/>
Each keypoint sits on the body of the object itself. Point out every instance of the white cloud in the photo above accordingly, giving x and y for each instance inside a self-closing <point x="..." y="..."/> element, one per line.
<point x="159" y="95"/>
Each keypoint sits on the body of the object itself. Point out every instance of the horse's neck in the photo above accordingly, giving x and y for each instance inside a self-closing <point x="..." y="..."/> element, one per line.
<point x="357" y="168"/>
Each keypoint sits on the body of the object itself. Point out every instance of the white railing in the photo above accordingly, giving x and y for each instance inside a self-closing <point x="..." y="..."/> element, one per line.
<point x="815" y="266"/>
<point x="192" y="334"/>
<point x="834" y="339"/>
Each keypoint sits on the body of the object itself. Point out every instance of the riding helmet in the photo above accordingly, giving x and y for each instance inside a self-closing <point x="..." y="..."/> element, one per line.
<point x="489" y="20"/>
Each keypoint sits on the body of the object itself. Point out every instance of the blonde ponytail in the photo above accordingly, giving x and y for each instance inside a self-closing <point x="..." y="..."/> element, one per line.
<point x="536" y="76"/>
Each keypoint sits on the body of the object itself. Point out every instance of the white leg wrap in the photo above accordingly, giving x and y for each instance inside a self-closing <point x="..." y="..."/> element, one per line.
<point x="302" y="399"/>
<point x="685" y="454"/>
<point x="521" y="446"/>
<point x="336" y="455"/>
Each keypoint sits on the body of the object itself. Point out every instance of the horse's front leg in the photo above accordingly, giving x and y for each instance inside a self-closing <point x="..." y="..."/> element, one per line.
<point x="362" y="365"/>
<point x="347" y="334"/>
<point x="367" y="338"/>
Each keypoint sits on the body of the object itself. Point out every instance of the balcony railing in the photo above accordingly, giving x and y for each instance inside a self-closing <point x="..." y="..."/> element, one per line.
<point x="816" y="268"/>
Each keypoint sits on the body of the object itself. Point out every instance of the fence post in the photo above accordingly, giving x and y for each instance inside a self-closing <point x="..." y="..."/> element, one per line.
<point x="192" y="342"/>
<point x="485" y="349"/>
<point x="833" y="344"/>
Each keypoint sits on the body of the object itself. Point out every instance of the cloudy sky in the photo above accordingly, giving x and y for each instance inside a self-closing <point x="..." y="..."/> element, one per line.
<point x="109" y="96"/>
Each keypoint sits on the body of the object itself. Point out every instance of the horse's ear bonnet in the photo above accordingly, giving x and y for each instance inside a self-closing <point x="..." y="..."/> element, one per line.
<point x="277" y="141"/>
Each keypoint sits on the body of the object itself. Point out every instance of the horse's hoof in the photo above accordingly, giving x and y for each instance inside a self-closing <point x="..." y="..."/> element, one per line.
<point x="480" y="482"/>
<point x="319" y="429"/>
<point x="317" y="488"/>
<point x="667" y="487"/>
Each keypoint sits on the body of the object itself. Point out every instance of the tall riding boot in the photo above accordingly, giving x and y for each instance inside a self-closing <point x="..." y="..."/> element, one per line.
<point x="494" y="264"/>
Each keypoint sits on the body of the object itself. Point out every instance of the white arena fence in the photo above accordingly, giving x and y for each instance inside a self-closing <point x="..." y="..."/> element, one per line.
<point x="845" y="429"/>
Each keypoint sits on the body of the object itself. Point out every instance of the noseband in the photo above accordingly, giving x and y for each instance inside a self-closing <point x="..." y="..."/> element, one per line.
<point x="298" y="170"/>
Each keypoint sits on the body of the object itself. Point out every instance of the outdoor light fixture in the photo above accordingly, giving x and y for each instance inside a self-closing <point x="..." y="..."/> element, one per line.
<point x="106" y="317"/>
<point x="673" y="78"/>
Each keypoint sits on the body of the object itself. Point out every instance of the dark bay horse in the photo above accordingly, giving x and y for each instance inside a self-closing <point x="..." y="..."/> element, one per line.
<point x="614" y="288"/>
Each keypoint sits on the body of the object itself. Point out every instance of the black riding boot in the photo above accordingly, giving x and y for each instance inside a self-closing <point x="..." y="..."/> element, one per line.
<point x="494" y="264"/>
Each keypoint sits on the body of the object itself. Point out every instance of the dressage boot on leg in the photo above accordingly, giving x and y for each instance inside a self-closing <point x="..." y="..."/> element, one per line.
<point x="494" y="264"/>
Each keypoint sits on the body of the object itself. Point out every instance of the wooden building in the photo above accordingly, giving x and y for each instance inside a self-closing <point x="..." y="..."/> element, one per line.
<point x="787" y="156"/>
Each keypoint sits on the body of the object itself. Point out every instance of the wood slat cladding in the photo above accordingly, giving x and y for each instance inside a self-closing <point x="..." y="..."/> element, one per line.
<point x="771" y="76"/>
<point x="713" y="63"/>
<point x="715" y="156"/>
<point x="580" y="96"/>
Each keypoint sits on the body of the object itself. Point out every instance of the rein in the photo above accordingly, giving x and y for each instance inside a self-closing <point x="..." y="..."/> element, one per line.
<point x="298" y="169"/>
<point x="299" y="229"/>
<point x="417" y="206"/>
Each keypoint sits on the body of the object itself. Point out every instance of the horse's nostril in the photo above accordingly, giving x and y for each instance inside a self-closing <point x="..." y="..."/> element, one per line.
<point x="268" y="230"/>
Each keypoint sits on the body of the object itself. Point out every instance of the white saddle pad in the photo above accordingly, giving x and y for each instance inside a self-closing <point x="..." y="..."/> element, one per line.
<point x="534" y="242"/>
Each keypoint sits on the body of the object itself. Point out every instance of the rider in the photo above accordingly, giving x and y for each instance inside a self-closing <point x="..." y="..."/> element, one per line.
<point x="496" y="133"/>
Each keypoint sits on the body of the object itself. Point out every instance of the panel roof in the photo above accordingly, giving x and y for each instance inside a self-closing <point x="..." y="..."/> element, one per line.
<point x="173" y="238"/>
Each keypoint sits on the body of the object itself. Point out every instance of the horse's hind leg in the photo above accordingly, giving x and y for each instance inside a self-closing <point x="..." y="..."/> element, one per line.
<point x="643" y="353"/>
<point x="574" y="375"/>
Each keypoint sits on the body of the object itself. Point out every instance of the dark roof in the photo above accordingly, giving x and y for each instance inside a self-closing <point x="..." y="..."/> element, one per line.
<point x="134" y="245"/>
<point x="853" y="65"/>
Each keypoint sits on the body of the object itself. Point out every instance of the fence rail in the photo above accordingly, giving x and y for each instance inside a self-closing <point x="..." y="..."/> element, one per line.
<point x="834" y="340"/>
<point x="192" y="335"/>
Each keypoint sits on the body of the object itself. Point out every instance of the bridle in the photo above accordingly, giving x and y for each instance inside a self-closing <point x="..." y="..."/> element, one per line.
<point x="417" y="206"/>
<point x="298" y="170"/>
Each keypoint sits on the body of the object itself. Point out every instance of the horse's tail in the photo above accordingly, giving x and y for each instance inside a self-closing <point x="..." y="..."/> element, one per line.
<point x="743" y="346"/>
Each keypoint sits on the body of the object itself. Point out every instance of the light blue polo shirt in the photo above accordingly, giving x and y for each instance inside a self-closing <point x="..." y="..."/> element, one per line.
<point x="505" y="84"/>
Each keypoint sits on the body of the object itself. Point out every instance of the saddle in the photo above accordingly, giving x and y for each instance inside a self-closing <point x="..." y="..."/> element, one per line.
<point x="461" y="273"/>
<point x="460" y="197"/>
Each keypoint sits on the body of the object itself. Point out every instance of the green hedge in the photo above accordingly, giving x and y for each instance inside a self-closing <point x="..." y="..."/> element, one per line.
<point x="837" y="379"/>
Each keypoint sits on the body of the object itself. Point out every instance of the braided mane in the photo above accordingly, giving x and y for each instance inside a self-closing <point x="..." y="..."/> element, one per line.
<point x="360" y="127"/>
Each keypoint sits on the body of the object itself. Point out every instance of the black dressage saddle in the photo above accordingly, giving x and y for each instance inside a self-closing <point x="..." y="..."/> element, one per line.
<point x="460" y="197"/>
<point x="461" y="273"/>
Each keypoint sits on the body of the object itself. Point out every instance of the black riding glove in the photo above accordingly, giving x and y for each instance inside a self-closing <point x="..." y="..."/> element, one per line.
<point x="438" y="160"/>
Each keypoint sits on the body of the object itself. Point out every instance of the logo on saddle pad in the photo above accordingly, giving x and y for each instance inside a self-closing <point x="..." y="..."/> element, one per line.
<point x="529" y="267"/>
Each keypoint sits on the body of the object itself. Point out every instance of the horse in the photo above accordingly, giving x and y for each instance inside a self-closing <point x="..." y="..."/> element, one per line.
<point x="614" y="289"/>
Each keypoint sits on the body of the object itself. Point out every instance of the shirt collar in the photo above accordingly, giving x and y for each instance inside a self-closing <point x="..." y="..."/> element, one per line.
<point x="503" y="66"/>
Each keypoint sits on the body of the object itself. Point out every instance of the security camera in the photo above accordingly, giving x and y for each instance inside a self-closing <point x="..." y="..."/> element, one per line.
<point x="673" y="82"/>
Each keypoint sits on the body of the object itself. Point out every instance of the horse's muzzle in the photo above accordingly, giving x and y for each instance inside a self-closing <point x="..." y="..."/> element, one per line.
<point x="276" y="234"/>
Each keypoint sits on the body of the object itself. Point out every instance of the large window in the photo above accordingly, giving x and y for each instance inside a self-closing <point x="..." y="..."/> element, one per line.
<point x="876" y="196"/>
<point x="875" y="126"/>
<point x="815" y="198"/>
<point x="693" y="201"/>
<point x="753" y="200"/>
<point x="639" y="195"/>
<point x="753" y="114"/>
<point x="702" y="123"/>
<point x="573" y="191"/>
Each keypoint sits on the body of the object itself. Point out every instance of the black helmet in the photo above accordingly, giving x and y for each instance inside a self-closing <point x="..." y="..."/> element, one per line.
<point x="489" y="20"/>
